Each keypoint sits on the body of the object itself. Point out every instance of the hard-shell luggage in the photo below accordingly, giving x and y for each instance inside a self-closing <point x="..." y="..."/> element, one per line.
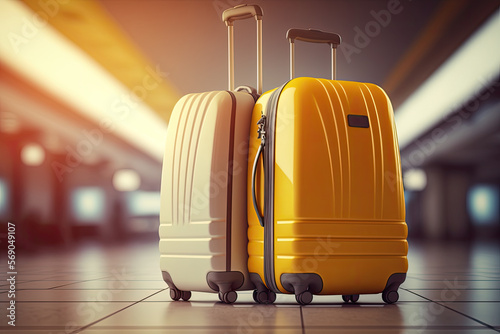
<point x="203" y="220"/>
<point x="325" y="197"/>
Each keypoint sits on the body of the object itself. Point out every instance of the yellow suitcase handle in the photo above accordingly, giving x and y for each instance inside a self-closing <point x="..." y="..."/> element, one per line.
<point x="312" y="36"/>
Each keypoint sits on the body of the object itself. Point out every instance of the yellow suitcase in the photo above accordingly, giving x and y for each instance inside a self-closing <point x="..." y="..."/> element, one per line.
<point x="325" y="201"/>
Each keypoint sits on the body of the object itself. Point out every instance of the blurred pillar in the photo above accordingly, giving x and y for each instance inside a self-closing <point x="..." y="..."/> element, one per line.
<point x="444" y="203"/>
<point x="414" y="214"/>
<point x="457" y="219"/>
<point x="433" y="204"/>
<point x="62" y="202"/>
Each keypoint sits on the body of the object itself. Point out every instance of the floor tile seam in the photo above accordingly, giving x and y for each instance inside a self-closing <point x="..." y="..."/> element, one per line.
<point x="302" y="324"/>
<point x="382" y="327"/>
<point x="387" y="327"/>
<point x="456" y="311"/>
<point x="238" y="303"/>
<point x="58" y="286"/>
<point x="441" y="277"/>
<point x="97" y="327"/>
<point x="68" y="301"/>
<point x="113" y="313"/>
<point x="472" y="289"/>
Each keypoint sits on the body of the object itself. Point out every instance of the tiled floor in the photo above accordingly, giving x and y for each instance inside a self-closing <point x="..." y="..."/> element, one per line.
<point x="451" y="288"/>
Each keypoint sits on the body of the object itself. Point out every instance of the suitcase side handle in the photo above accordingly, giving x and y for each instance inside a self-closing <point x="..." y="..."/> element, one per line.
<point x="254" y="195"/>
<point x="262" y="136"/>
<point x="239" y="13"/>
<point x="312" y="36"/>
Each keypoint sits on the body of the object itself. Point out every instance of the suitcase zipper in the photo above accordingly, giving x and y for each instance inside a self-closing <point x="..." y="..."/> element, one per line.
<point x="269" y="155"/>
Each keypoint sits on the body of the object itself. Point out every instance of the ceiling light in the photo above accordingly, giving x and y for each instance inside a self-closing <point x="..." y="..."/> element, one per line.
<point x="32" y="155"/>
<point x="58" y="66"/>
<point x="126" y="180"/>
<point x="414" y="179"/>
<point x="469" y="70"/>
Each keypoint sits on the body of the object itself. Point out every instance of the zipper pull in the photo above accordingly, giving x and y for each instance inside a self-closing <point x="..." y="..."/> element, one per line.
<point x="262" y="129"/>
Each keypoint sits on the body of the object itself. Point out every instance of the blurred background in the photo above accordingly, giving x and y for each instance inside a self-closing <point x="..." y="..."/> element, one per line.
<point x="87" y="88"/>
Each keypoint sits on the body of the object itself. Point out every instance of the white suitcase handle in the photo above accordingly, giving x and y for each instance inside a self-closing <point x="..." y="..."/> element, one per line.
<point x="312" y="36"/>
<point x="239" y="13"/>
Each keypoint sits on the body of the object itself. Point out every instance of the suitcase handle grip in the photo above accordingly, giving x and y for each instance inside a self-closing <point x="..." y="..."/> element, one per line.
<point x="239" y="13"/>
<point x="312" y="36"/>
<point x="254" y="195"/>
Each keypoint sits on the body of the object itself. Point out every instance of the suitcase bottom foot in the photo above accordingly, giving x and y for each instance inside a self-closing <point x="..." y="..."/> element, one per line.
<point x="225" y="282"/>
<point x="175" y="293"/>
<point x="303" y="285"/>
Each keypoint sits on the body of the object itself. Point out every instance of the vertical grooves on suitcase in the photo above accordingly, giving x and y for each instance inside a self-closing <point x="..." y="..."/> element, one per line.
<point x="207" y="98"/>
<point x="182" y="180"/>
<point x="373" y="151"/>
<point x="327" y="140"/>
<point x="182" y="148"/>
<point x="378" y="154"/>
<point x="343" y="102"/>
<point x="330" y="153"/>
<point x="175" y="186"/>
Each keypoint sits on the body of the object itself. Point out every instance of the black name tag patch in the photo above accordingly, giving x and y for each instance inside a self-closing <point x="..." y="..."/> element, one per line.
<point x="358" y="121"/>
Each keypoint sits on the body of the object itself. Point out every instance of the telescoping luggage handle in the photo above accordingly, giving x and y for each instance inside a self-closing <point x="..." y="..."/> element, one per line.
<point x="313" y="36"/>
<point x="239" y="13"/>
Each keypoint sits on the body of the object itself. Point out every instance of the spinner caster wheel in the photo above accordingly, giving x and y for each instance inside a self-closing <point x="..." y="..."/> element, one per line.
<point x="390" y="296"/>
<point x="175" y="294"/>
<point x="228" y="297"/>
<point x="304" y="298"/>
<point x="185" y="295"/>
<point x="264" y="297"/>
<point x="271" y="297"/>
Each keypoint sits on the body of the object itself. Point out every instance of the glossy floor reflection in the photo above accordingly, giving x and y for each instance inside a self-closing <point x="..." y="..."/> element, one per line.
<point x="451" y="288"/>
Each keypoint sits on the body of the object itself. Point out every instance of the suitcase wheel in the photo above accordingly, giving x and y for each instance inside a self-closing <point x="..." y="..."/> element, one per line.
<point x="304" y="298"/>
<point x="390" y="296"/>
<point x="264" y="297"/>
<point x="228" y="297"/>
<point x="350" y="298"/>
<point x="175" y="294"/>
<point x="178" y="294"/>
<point x="185" y="295"/>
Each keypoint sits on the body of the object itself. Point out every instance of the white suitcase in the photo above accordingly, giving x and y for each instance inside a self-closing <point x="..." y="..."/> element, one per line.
<point x="203" y="220"/>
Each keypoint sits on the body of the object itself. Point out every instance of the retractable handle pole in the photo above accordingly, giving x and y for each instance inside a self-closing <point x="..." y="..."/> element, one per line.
<point x="312" y="36"/>
<point x="239" y="13"/>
